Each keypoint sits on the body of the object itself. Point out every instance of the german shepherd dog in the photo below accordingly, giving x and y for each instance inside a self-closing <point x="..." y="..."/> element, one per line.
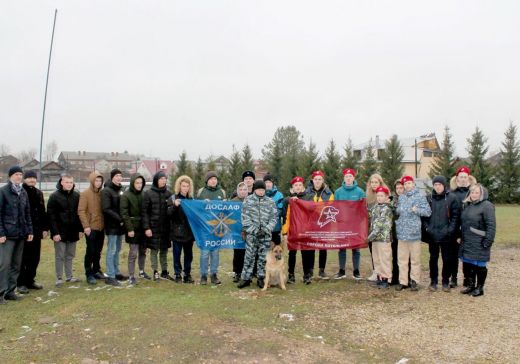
<point x="275" y="267"/>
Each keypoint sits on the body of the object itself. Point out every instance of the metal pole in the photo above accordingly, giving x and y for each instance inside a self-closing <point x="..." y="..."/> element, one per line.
<point x="415" y="158"/>
<point x="45" y="97"/>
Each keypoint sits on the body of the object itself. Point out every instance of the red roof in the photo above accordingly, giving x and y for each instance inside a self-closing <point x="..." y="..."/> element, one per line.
<point x="155" y="165"/>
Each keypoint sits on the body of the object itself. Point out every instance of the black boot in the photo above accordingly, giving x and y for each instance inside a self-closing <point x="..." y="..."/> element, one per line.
<point x="244" y="283"/>
<point x="260" y="282"/>
<point x="481" y="279"/>
<point x="479" y="291"/>
<point x="470" y="287"/>
<point x="291" y="279"/>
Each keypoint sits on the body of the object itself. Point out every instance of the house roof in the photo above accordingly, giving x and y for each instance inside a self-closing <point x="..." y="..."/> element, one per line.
<point x="155" y="165"/>
<point x="83" y="155"/>
<point x="408" y="145"/>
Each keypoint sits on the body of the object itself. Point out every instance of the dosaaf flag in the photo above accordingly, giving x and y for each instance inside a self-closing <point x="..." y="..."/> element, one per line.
<point x="215" y="224"/>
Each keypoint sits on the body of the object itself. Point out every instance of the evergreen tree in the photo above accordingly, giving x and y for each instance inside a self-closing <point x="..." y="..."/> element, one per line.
<point x="508" y="171"/>
<point x="235" y="167"/>
<point x="282" y="155"/>
<point x="183" y="167"/>
<point x="349" y="159"/>
<point x="332" y="166"/>
<point x="369" y="165"/>
<point x="391" y="161"/>
<point x="443" y="164"/>
<point x="199" y="175"/>
<point x="246" y="159"/>
<point x="477" y="150"/>
<point x="310" y="161"/>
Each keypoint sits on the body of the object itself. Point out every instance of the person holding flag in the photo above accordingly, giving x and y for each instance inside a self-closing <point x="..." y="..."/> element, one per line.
<point x="298" y="192"/>
<point x="349" y="191"/>
<point x="320" y="192"/>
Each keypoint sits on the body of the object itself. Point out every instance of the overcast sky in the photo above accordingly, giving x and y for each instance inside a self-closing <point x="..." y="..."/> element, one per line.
<point x="159" y="77"/>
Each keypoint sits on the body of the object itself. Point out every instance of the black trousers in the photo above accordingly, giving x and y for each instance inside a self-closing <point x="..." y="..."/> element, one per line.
<point x="395" y="266"/>
<point x="322" y="259"/>
<point x="238" y="260"/>
<point x="444" y="248"/>
<point x="30" y="262"/>
<point x="93" y="251"/>
<point x="454" y="261"/>
<point x="308" y="258"/>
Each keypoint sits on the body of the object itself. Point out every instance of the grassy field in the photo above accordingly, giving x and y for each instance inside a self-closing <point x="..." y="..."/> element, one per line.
<point x="158" y="322"/>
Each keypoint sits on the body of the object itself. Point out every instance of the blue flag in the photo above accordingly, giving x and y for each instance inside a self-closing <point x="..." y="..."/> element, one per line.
<point x="215" y="224"/>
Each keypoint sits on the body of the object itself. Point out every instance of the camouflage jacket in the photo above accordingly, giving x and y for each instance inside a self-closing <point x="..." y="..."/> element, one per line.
<point x="381" y="216"/>
<point x="259" y="215"/>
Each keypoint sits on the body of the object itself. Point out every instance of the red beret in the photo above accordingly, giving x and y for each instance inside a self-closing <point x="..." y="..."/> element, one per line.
<point x="349" y="171"/>
<point x="406" y="179"/>
<point x="382" y="189"/>
<point x="463" y="169"/>
<point x="297" y="179"/>
<point x="317" y="173"/>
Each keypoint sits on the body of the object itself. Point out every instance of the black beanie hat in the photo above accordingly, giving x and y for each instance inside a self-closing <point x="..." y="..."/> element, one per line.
<point x="30" y="174"/>
<point x="248" y="174"/>
<point x="15" y="169"/>
<point x="439" y="179"/>
<point x="268" y="177"/>
<point x="114" y="172"/>
<point x="259" y="184"/>
<point x="211" y="174"/>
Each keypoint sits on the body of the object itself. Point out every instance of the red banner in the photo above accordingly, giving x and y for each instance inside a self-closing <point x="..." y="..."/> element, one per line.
<point x="327" y="225"/>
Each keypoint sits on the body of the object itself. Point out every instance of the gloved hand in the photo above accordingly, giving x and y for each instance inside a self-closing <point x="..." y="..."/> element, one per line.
<point x="486" y="244"/>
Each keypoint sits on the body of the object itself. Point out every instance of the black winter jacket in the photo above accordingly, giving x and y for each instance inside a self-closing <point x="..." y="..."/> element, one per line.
<point x="39" y="217"/>
<point x="110" y="201"/>
<point x="180" y="229"/>
<point x="478" y="228"/>
<point x="155" y="216"/>
<point x="62" y="210"/>
<point x="443" y="223"/>
<point x="15" y="214"/>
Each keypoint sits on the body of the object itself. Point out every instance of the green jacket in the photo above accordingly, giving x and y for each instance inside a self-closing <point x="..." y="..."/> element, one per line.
<point x="130" y="208"/>
<point x="211" y="193"/>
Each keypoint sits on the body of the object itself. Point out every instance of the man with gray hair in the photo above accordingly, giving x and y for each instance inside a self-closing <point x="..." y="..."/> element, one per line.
<point x="15" y="228"/>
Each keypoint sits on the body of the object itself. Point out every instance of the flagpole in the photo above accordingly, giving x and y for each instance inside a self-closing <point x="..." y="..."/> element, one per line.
<point x="45" y="97"/>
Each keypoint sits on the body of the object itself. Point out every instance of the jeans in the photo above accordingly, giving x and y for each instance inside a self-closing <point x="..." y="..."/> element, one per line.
<point x="10" y="260"/>
<point x="205" y="256"/>
<point x="188" y="257"/>
<point x="113" y="249"/>
<point x="95" y="243"/>
<point x="356" y="258"/>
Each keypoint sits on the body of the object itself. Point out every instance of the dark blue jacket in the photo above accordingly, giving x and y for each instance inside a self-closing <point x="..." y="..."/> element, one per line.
<point x="15" y="213"/>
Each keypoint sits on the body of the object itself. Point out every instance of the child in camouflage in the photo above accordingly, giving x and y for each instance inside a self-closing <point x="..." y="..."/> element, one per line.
<point x="381" y="236"/>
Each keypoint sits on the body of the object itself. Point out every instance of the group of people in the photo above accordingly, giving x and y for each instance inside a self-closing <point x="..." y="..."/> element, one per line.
<point x="456" y="220"/>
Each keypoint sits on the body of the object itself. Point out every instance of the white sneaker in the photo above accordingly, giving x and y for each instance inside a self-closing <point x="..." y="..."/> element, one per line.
<point x="73" y="280"/>
<point x="373" y="277"/>
<point x="59" y="282"/>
